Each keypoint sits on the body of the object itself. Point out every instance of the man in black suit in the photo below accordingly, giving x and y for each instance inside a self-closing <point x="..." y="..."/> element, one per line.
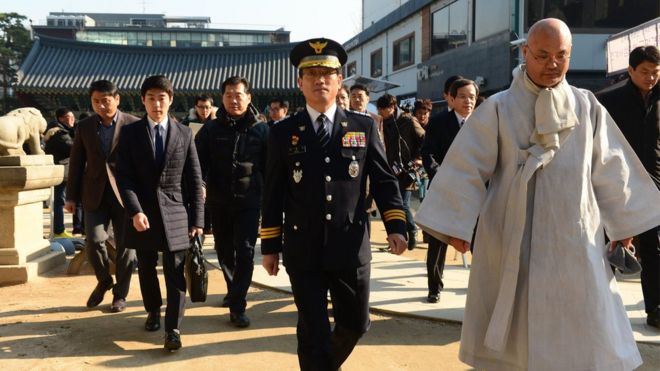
<point x="440" y="133"/>
<point x="635" y="107"/>
<point x="92" y="180"/>
<point x="317" y="165"/>
<point x="154" y="155"/>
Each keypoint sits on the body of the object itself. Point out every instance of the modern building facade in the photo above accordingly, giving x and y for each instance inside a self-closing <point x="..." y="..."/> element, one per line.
<point x="152" y="30"/>
<point x="417" y="44"/>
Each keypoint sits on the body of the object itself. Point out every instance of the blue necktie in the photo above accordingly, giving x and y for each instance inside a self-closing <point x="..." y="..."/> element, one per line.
<point x="322" y="132"/>
<point x="158" y="144"/>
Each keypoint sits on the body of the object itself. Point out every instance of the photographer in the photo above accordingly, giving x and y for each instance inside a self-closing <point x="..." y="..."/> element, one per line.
<point x="232" y="155"/>
<point x="403" y="141"/>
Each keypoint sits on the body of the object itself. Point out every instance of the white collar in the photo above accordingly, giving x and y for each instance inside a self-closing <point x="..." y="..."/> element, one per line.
<point x="330" y="113"/>
<point x="152" y="123"/>
<point x="459" y="117"/>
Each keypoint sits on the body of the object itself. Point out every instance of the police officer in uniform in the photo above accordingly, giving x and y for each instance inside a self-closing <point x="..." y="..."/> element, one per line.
<point x="317" y="165"/>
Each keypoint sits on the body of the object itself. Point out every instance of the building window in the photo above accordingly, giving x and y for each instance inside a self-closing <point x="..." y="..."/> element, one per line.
<point x="377" y="63"/>
<point x="594" y="14"/>
<point x="404" y="52"/>
<point x="351" y="69"/>
<point x="450" y="27"/>
<point x="491" y="17"/>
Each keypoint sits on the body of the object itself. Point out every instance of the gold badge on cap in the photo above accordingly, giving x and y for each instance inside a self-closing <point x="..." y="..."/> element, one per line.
<point x="318" y="46"/>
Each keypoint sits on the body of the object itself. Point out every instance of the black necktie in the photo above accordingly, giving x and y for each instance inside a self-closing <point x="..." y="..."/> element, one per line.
<point x="322" y="132"/>
<point x="158" y="144"/>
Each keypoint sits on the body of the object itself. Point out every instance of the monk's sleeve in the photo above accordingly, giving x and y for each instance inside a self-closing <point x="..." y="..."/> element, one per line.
<point x="628" y="200"/>
<point x="457" y="191"/>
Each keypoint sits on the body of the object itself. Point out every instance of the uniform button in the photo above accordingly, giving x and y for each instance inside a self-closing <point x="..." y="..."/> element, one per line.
<point x="328" y="198"/>
<point x="327" y="160"/>
<point x="328" y="217"/>
<point x="295" y="227"/>
<point x="328" y="178"/>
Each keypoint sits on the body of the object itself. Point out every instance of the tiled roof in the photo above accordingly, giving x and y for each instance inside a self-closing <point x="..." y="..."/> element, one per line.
<point x="58" y="66"/>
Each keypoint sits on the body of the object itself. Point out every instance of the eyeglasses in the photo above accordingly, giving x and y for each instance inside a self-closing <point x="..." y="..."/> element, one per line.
<point x="544" y="57"/>
<point x="316" y="73"/>
<point x="203" y="107"/>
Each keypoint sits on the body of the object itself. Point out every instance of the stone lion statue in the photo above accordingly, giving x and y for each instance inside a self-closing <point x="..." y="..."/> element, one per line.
<point x="19" y="126"/>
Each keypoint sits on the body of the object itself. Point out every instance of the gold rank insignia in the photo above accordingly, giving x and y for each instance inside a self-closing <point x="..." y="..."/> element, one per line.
<point x="394" y="214"/>
<point x="318" y="46"/>
<point x="294" y="140"/>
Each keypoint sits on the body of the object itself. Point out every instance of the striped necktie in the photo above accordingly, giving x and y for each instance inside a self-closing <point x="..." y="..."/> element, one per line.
<point x="322" y="132"/>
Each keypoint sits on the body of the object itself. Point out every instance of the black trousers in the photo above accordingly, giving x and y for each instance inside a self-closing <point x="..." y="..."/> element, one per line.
<point x="96" y="233"/>
<point x="235" y="234"/>
<point x="319" y="347"/>
<point x="649" y="252"/>
<point x="175" y="282"/>
<point x="435" y="264"/>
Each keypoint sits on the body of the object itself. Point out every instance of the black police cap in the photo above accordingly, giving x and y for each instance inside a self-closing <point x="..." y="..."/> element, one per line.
<point x="318" y="52"/>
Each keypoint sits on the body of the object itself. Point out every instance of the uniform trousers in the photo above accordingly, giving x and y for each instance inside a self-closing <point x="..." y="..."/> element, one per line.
<point x="175" y="282"/>
<point x="97" y="223"/>
<point x="319" y="347"/>
<point x="435" y="264"/>
<point x="235" y="234"/>
<point x="649" y="252"/>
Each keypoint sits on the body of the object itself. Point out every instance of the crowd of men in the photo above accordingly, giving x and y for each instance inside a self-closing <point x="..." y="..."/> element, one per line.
<point x="541" y="164"/>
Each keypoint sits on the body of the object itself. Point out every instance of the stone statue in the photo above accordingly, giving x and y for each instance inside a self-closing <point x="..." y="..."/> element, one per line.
<point x="19" y="126"/>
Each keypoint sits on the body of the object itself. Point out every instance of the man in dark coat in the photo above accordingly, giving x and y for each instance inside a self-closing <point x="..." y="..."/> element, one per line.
<point x="92" y="169"/>
<point x="58" y="140"/>
<point x="155" y="154"/>
<point x="440" y="133"/>
<point x="634" y="104"/>
<point x="403" y="137"/>
<point x="232" y="155"/>
<point x="317" y="165"/>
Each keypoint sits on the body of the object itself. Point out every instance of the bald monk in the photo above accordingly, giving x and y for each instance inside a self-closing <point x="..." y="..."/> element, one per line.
<point x="541" y="294"/>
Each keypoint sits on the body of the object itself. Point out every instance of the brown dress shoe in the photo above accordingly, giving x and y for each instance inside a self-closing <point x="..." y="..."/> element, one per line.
<point x="118" y="305"/>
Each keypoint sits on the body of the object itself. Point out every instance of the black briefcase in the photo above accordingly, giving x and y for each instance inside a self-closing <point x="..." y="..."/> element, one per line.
<point x="197" y="277"/>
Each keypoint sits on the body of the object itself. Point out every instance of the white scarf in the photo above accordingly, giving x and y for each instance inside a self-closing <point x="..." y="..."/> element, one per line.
<point x="554" y="119"/>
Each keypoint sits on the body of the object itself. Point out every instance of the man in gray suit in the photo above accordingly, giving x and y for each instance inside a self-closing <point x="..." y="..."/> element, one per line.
<point x="91" y="179"/>
<point x="155" y="154"/>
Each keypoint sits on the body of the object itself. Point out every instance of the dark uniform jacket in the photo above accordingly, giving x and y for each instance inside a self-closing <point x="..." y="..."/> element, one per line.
<point x="88" y="173"/>
<point x="403" y="141"/>
<point x="321" y="192"/>
<point x="232" y="156"/>
<point x="640" y="124"/>
<point x="156" y="190"/>
<point x="440" y="133"/>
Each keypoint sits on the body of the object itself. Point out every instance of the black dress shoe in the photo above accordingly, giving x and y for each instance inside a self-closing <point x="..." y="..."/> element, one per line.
<point x="225" y="302"/>
<point x="153" y="321"/>
<point x="96" y="297"/>
<point x="412" y="240"/>
<point x="239" y="319"/>
<point x="653" y="319"/>
<point x="173" y="340"/>
<point x="433" y="298"/>
<point x="118" y="305"/>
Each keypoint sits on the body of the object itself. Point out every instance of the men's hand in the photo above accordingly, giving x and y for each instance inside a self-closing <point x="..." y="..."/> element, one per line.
<point x="271" y="262"/>
<point x="140" y="222"/>
<point x="626" y="242"/>
<point x="70" y="207"/>
<point x="397" y="243"/>
<point x="195" y="231"/>
<point x="460" y="245"/>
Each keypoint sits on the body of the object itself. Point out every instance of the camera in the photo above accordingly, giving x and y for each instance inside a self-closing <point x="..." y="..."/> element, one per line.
<point x="407" y="172"/>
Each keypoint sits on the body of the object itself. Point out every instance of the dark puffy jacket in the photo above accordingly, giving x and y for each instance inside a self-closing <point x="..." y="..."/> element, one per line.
<point x="232" y="156"/>
<point x="58" y="141"/>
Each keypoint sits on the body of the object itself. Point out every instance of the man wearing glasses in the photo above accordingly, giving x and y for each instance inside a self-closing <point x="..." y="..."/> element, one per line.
<point x="541" y="293"/>
<point x="317" y="164"/>
<point x="203" y="111"/>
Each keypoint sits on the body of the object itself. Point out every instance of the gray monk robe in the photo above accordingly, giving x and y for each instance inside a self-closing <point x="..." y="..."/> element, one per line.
<point x="541" y="294"/>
